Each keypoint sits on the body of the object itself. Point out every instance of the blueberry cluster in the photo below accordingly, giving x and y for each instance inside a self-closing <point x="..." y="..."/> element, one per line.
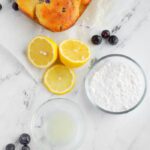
<point x="14" y="6"/>
<point x="112" y="39"/>
<point x="24" y="140"/>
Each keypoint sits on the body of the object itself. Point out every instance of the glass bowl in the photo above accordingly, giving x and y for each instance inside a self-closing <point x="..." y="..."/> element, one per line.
<point x="98" y="64"/>
<point x="58" y="124"/>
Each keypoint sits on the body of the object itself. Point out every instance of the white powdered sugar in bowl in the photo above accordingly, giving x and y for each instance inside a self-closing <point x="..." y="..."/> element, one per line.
<point x="116" y="84"/>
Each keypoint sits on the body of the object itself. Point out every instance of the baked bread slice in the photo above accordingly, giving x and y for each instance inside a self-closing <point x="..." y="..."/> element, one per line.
<point x="55" y="15"/>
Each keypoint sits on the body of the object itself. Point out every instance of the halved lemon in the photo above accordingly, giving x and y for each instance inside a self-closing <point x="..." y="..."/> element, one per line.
<point x="59" y="79"/>
<point x="74" y="53"/>
<point x="42" y="51"/>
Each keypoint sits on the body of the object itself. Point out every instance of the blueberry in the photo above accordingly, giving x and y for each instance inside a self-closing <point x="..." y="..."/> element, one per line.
<point x="96" y="39"/>
<point x="105" y="34"/>
<point x="47" y="1"/>
<point x="10" y="147"/>
<point x="1" y="6"/>
<point x="15" y="6"/>
<point x="25" y="147"/>
<point x="113" y="40"/>
<point x="24" y="139"/>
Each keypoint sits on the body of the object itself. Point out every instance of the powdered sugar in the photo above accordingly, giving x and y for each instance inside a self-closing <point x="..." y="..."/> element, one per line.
<point x="117" y="85"/>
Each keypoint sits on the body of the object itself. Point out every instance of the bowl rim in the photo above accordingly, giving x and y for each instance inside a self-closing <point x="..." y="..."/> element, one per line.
<point x="128" y="58"/>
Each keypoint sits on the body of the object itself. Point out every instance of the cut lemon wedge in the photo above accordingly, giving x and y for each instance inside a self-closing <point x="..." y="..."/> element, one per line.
<point x="74" y="53"/>
<point x="42" y="52"/>
<point x="59" y="79"/>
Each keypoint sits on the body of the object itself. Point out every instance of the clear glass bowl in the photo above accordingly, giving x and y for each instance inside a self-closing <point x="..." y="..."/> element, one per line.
<point x="98" y="64"/>
<point x="58" y="124"/>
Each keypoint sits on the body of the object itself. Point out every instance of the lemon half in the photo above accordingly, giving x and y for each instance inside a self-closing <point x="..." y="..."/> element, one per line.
<point x="74" y="53"/>
<point x="42" y="52"/>
<point x="59" y="79"/>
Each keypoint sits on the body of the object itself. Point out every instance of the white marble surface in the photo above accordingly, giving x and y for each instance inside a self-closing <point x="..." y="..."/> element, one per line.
<point x="21" y="93"/>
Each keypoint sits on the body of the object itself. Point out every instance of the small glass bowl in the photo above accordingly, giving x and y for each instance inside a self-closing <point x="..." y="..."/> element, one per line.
<point x="40" y="122"/>
<point x="94" y="69"/>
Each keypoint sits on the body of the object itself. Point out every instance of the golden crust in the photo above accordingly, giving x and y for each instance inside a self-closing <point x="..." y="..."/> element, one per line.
<point x="83" y="5"/>
<point x="27" y="6"/>
<point x="58" y="15"/>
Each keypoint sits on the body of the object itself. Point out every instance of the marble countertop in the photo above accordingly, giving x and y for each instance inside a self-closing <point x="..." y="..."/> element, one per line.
<point x="21" y="94"/>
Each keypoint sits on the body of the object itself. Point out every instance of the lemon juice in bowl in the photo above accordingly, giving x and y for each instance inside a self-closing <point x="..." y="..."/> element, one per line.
<point x="61" y="128"/>
<point x="58" y="125"/>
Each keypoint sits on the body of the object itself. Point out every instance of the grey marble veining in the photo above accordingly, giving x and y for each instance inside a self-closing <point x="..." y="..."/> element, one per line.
<point x="21" y="91"/>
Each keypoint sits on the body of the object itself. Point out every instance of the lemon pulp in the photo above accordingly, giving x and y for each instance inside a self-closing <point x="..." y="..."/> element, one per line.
<point x="59" y="79"/>
<point x="74" y="53"/>
<point x="42" y="52"/>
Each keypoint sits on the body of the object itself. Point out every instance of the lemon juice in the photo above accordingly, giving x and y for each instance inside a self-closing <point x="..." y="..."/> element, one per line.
<point x="61" y="128"/>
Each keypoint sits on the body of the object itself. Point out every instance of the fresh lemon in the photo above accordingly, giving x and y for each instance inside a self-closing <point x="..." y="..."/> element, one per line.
<point x="74" y="53"/>
<point x="42" y="51"/>
<point x="59" y="79"/>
